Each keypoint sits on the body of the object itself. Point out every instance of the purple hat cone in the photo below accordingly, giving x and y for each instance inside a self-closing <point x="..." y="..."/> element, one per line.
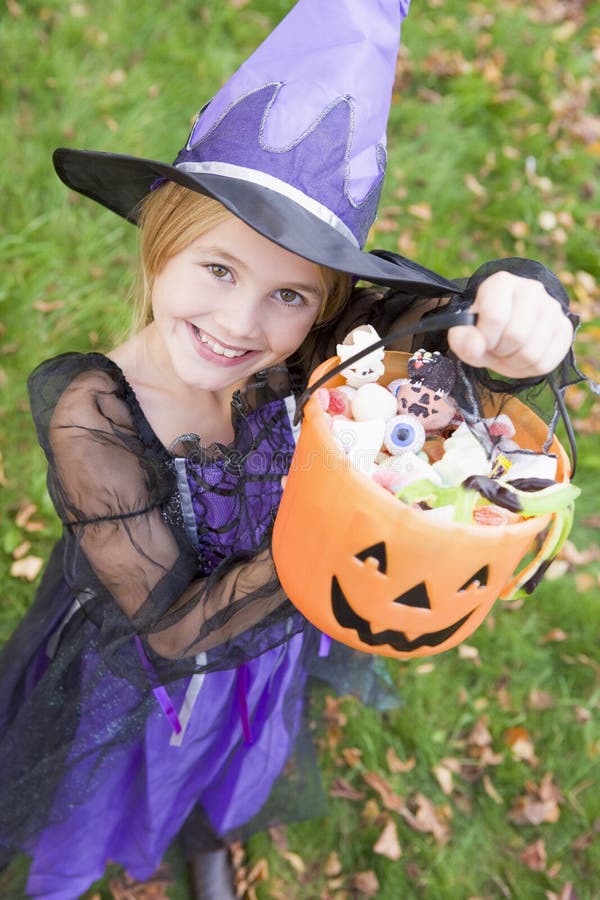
<point x="293" y="144"/>
<point x="309" y="110"/>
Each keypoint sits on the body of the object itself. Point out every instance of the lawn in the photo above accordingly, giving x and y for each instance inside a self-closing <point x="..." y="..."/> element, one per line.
<point x="485" y="783"/>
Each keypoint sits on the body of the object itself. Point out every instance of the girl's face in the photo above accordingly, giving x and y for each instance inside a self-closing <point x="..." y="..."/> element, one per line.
<point x="232" y="303"/>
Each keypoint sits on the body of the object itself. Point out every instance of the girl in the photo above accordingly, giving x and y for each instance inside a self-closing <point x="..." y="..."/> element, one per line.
<point x="158" y="682"/>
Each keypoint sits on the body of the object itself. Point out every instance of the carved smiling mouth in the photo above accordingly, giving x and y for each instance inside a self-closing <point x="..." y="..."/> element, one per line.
<point x="347" y="618"/>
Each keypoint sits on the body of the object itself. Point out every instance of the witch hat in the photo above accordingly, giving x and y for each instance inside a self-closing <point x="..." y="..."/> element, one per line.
<point x="293" y="144"/>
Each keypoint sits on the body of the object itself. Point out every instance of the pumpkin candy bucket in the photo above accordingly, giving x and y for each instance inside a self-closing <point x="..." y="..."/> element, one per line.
<point x="381" y="576"/>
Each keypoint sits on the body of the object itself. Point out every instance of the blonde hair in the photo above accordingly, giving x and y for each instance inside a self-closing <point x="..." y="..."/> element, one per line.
<point x="171" y="217"/>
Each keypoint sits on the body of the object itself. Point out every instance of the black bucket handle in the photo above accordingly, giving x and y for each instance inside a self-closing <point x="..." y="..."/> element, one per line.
<point x="441" y="321"/>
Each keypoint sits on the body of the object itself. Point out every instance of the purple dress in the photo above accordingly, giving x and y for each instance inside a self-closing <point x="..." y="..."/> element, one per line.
<point x="108" y="746"/>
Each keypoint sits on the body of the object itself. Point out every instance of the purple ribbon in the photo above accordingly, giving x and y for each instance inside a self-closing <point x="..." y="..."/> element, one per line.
<point x="241" y="690"/>
<point x="160" y="692"/>
<point x="324" y="644"/>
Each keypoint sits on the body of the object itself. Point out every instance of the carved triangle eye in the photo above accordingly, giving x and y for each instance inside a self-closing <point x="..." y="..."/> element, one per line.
<point x="480" y="578"/>
<point x="377" y="551"/>
<point x="417" y="597"/>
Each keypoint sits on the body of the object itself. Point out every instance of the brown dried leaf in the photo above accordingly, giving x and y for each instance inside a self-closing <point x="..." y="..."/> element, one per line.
<point x="352" y="756"/>
<point x="521" y="745"/>
<point x="47" y="306"/>
<point x="421" y="211"/>
<point x="295" y="861"/>
<point x="25" y="512"/>
<point x="539" y="699"/>
<point x="424" y="817"/>
<point x="555" y="636"/>
<point x="123" y="887"/>
<point x="389" y="798"/>
<point x="259" y="872"/>
<point x="20" y="551"/>
<point x="582" y="714"/>
<point x="480" y="735"/>
<point x="534" y="856"/>
<point x="395" y="764"/>
<point x="365" y="883"/>
<point x="444" y="778"/>
<point x="388" y="844"/>
<point x="475" y="186"/>
<point x="342" y="788"/>
<point x="539" y="803"/>
<point x="491" y="790"/>
<point x="466" y="651"/>
<point x="28" y="568"/>
<point x="333" y="866"/>
<point x="576" y="557"/>
<point x="584" y="582"/>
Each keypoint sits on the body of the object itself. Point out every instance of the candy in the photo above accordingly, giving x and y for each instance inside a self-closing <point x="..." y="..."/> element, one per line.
<point x="372" y="401"/>
<point x="403" y="434"/>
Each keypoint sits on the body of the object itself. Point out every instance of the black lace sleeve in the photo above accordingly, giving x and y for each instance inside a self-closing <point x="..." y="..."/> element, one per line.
<point x="127" y="559"/>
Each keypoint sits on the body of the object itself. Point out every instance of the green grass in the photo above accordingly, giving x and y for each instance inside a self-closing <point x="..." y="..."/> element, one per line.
<point x="492" y="126"/>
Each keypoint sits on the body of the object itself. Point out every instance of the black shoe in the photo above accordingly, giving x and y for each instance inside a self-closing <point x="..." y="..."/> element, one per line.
<point x="212" y="875"/>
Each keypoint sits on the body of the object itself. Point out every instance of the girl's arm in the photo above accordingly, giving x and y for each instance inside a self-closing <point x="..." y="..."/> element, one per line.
<point x="127" y="558"/>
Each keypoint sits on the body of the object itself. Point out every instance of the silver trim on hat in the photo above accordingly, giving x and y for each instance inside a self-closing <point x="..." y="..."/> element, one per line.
<point x="256" y="176"/>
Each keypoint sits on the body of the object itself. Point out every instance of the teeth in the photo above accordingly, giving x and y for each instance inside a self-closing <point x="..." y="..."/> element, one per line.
<point x="217" y="348"/>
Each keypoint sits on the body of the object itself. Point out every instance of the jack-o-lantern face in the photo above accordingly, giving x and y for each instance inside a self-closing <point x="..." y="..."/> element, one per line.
<point x="415" y="597"/>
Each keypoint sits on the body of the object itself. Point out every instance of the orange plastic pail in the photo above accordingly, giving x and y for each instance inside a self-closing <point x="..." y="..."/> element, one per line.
<point x="375" y="574"/>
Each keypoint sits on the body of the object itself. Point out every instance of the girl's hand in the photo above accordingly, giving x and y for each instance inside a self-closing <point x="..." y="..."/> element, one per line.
<point x="521" y="330"/>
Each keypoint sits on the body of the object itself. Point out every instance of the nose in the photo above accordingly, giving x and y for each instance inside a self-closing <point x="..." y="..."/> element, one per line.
<point x="241" y="316"/>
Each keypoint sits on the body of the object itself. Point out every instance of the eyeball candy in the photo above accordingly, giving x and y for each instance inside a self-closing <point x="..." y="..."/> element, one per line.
<point x="403" y="434"/>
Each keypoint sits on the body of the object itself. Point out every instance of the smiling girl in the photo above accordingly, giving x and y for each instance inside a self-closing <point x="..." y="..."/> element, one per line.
<point x="157" y="686"/>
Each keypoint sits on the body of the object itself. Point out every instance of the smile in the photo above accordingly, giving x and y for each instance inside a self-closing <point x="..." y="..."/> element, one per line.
<point x="209" y="347"/>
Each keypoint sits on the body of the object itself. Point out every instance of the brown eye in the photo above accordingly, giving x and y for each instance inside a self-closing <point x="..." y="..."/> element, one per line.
<point x="289" y="297"/>
<point x="218" y="271"/>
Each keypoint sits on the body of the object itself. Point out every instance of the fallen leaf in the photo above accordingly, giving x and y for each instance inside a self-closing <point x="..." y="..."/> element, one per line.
<point x="343" y="789"/>
<point x="539" y="803"/>
<point x="555" y="636"/>
<point x="295" y="861"/>
<point x="395" y="764"/>
<point x="466" y="651"/>
<point x="444" y="778"/>
<point x="491" y="790"/>
<point x="582" y="714"/>
<point x="420" y="211"/>
<point x="352" y="755"/>
<point x="333" y="866"/>
<point x="389" y="798"/>
<point x="20" y="551"/>
<point x="480" y="735"/>
<point x="424" y="669"/>
<point x="47" y="306"/>
<point x="421" y="815"/>
<point x="25" y="512"/>
<point x="388" y="844"/>
<point x="259" y="872"/>
<point x="521" y="745"/>
<point x="475" y="186"/>
<point x="534" y="856"/>
<point x="576" y="557"/>
<point x="28" y="568"/>
<point x="365" y="883"/>
<point x="539" y="699"/>
<point x="123" y="887"/>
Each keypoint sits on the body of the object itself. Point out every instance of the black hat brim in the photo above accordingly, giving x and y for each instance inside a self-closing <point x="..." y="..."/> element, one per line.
<point x="120" y="183"/>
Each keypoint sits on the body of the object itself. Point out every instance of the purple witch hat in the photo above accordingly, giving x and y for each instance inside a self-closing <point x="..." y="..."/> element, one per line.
<point x="293" y="144"/>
